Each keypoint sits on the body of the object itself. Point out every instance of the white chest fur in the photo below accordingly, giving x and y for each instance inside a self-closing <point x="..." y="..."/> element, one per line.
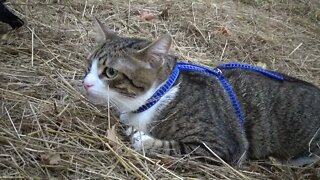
<point x="140" y="121"/>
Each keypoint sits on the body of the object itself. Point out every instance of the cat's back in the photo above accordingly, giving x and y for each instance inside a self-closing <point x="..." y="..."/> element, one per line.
<point x="257" y="89"/>
<point x="282" y="117"/>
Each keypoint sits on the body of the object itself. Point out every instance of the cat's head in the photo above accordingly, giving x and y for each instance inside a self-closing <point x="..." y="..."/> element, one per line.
<point x="126" y="71"/>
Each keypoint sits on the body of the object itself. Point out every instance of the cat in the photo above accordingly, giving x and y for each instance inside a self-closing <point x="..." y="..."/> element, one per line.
<point x="195" y="116"/>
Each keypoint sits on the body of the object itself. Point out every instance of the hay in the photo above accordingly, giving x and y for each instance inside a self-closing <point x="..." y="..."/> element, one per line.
<point x="49" y="130"/>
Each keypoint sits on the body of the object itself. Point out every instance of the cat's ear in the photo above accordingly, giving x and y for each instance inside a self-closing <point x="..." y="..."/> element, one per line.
<point x="155" y="53"/>
<point x="103" y="33"/>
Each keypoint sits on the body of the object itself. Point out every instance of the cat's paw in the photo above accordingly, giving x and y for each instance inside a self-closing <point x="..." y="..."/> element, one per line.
<point x="149" y="145"/>
<point x="130" y="131"/>
<point x="141" y="141"/>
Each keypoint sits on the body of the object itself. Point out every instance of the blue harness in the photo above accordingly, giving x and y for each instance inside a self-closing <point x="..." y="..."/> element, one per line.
<point x="205" y="70"/>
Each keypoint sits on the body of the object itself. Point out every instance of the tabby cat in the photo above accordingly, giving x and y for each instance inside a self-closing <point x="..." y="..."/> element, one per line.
<point x="195" y="116"/>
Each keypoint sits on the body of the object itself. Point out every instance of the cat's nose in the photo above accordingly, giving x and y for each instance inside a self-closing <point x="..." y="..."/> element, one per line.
<point x="87" y="86"/>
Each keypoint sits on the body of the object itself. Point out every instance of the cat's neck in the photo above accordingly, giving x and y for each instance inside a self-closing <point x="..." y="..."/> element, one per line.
<point x="133" y="104"/>
<point x="127" y="105"/>
<point x="161" y="91"/>
<point x="141" y="120"/>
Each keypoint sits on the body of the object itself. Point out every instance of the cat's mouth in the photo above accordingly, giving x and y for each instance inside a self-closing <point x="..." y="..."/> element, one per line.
<point x="104" y="98"/>
<point x="101" y="94"/>
<point x="94" y="98"/>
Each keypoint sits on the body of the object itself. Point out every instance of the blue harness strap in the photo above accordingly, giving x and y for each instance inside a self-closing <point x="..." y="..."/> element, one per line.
<point x="181" y="66"/>
<point x="253" y="68"/>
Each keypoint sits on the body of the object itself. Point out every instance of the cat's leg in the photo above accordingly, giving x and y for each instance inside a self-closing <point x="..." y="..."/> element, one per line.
<point x="301" y="161"/>
<point x="145" y="143"/>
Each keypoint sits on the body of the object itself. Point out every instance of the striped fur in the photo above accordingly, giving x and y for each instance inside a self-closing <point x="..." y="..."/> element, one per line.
<point x="282" y="118"/>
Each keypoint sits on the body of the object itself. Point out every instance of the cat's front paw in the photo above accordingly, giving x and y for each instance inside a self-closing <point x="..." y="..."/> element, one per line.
<point x="141" y="141"/>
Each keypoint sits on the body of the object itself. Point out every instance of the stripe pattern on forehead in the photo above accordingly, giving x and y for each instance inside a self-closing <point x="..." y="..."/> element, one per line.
<point x="123" y="44"/>
<point x="117" y="47"/>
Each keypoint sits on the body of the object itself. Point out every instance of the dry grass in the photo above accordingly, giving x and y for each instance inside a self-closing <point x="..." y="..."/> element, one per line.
<point x="49" y="130"/>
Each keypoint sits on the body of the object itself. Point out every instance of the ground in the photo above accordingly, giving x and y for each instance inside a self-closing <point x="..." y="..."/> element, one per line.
<point x="49" y="130"/>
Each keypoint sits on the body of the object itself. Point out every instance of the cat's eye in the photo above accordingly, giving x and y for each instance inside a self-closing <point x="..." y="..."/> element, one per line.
<point x="111" y="73"/>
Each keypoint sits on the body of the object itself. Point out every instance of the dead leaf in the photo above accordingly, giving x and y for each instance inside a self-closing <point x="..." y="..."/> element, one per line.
<point x="51" y="158"/>
<point x="112" y="135"/>
<point x="147" y="16"/>
<point x="224" y="30"/>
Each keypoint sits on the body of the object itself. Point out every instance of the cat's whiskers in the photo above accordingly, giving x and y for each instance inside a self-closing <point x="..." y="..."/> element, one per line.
<point x="104" y="99"/>
<point x="120" y="103"/>
<point x="114" y="104"/>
